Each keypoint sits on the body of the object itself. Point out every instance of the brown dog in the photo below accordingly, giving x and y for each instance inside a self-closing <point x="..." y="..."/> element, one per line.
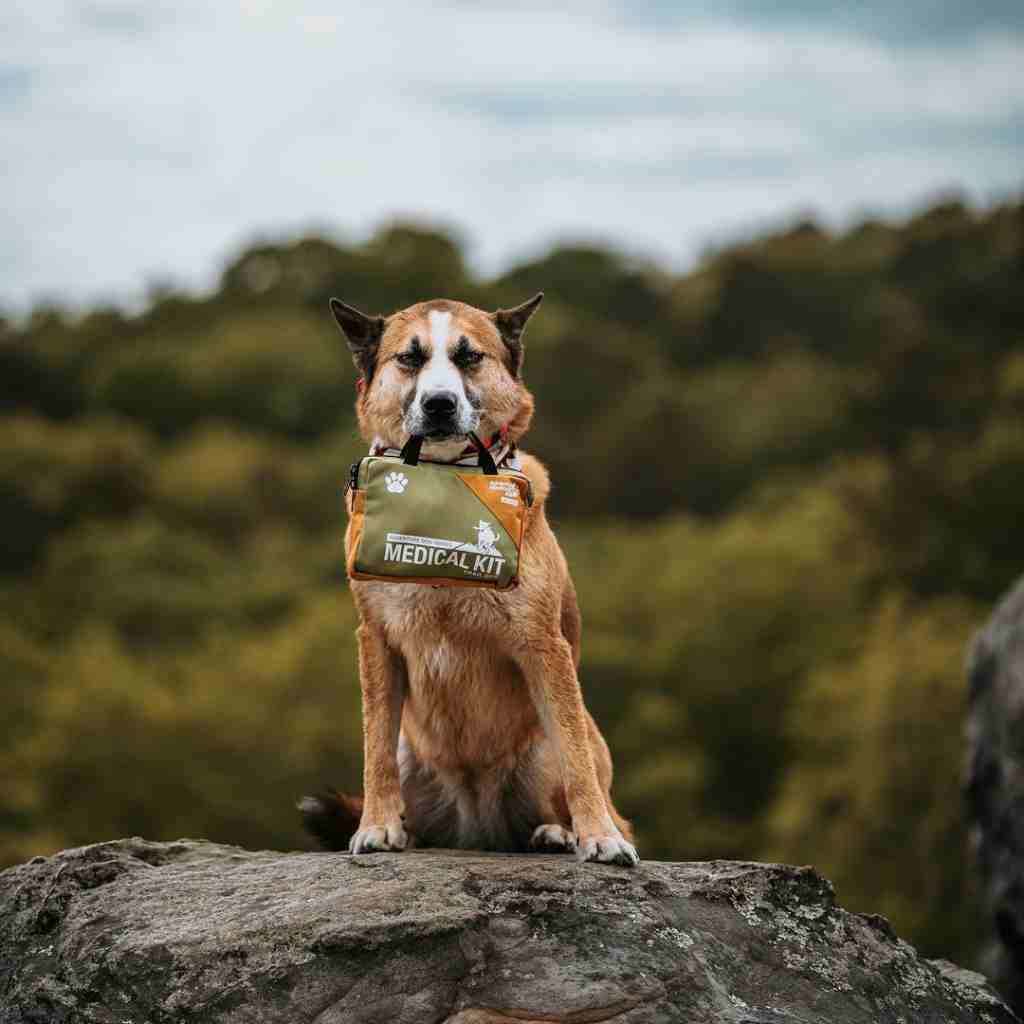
<point x="475" y="732"/>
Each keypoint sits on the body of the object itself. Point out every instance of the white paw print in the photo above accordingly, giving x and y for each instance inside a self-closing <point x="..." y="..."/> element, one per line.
<point x="396" y="482"/>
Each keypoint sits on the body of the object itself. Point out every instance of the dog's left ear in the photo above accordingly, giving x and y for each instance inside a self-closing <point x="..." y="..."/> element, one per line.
<point x="511" y="323"/>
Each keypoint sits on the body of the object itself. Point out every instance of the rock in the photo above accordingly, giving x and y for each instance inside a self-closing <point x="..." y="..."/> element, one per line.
<point x="148" y="933"/>
<point x="995" y="787"/>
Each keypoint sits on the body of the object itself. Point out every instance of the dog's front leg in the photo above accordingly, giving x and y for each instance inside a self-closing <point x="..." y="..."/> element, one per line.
<point x="382" y="678"/>
<point x="551" y="675"/>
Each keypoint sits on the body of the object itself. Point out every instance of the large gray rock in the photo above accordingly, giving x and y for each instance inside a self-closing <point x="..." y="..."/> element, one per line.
<point x="995" y="787"/>
<point x="141" y="932"/>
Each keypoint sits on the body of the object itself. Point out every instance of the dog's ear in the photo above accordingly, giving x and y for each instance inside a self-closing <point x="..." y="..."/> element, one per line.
<point x="511" y="323"/>
<point x="362" y="334"/>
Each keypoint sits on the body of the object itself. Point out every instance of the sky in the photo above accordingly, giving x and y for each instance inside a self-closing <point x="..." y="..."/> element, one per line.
<point x="149" y="142"/>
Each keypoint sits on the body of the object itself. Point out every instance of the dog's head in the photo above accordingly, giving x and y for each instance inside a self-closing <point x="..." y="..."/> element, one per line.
<point x="441" y="369"/>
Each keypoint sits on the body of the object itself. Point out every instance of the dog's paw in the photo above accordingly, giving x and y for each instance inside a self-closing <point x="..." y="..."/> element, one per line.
<point x="379" y="839"/>
<point x="610" y="849"/>
<point x="552" y="839"/>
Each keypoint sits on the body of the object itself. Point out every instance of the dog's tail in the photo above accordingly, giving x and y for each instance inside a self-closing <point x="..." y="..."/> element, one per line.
<point x="331" y="817"/>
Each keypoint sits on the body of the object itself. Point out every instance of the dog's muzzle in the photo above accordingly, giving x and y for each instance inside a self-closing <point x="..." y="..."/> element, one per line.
<point x="439" y="415"/>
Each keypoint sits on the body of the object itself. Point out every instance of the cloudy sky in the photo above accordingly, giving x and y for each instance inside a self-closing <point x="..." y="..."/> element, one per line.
<point x="147" y="141"/>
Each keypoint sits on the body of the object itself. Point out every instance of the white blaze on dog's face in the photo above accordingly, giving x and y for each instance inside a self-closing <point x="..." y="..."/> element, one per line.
<point x="439" y="369"/>
<point x="440" y="405"/>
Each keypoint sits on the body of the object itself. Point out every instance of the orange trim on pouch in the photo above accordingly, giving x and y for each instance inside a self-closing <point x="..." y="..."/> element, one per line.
<point x="490" y="490"/>
<point x="357" y="515"/>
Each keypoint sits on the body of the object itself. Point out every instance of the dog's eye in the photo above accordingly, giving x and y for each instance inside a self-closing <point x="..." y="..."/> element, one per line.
<point x="468" y="357"/>
<point x="410" y="360"/>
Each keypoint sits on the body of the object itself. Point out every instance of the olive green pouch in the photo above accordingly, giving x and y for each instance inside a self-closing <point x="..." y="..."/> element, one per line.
<point x="446" y="525"/>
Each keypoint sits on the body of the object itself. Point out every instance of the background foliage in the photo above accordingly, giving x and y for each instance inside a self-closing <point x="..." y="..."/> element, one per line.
<point x="789" y="485"/>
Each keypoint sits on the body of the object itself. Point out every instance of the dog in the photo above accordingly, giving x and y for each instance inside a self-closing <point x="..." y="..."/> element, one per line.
<point x="475" y="731"/>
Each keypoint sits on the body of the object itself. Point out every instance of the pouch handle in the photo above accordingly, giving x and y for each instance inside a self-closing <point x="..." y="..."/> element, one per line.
<point x="411" y="453"/>
<point x="411" y="450"/>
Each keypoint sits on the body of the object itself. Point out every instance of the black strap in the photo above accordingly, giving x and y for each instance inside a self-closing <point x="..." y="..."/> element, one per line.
<point x="486" y="461"/>
<point x="411" y="453"/>
<point x="411" y="450"/>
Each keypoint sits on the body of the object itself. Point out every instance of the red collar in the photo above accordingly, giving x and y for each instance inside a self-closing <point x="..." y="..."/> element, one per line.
<point x="500" y="448"/>
<point x="499" y="437"/>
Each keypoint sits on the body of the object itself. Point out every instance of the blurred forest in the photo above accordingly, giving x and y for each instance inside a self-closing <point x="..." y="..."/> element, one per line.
<point x="789" y="484"/>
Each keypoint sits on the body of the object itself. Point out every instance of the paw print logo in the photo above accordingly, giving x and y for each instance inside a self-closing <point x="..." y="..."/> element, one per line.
<point x="396" y="482"/>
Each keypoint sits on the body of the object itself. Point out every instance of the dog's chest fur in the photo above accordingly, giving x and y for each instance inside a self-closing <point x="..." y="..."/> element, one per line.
<point x="467" y="704"/>
<point x="415" y="615"/>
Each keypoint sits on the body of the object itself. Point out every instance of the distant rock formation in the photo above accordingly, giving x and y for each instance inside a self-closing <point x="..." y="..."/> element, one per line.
<point x="995" y="787"/>
<point x="154" y="933"/>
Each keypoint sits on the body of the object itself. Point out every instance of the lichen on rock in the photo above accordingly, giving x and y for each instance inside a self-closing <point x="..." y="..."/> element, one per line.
<point x="155" y="933"/>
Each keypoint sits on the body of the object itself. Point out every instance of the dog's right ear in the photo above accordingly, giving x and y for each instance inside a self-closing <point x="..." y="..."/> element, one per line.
<point x="362" y="334"/>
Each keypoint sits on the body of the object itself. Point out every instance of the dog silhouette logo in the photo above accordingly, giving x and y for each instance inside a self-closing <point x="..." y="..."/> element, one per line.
<point x="396" y="483"/>
<point x="485" y="538"/>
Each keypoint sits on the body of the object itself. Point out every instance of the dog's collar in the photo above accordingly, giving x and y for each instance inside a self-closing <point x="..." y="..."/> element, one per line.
<point x="501" y="449"/>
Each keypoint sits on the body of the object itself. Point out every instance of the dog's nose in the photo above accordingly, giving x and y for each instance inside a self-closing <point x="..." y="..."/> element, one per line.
<point x="439" y="404"/>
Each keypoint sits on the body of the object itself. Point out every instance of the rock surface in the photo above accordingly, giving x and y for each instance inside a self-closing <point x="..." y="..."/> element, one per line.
<point x="142" y="932"/>
<point x="995" y="786"/>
